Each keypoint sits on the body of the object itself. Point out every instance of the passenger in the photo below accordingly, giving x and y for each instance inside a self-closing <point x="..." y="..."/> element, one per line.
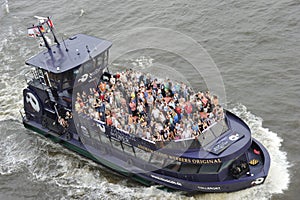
<point x="112" y="81"/>
<point x="204" y="100"/>
<point x="123" y="119"/>
<point x="77" y="105"/>
<point x="123" y="103"/>
<point x="165" y="133"/>
<point x="172" y="134"/>
<point x="200" y="126"/>
<point x="114" y="120"/>
<point x="108" y="120"/>
<point x="84" y="98"/>
<point x="176" y="119"/>
<point x="187" y="133"/>
<point x="154" y="85"/>
<point x="140" y="108"/>
<point x="132" y="106"/>
<point x="176" y="98"/>
<point x="195" y="129"/>
<point x="203" y="115"/>
<point x="96" y="106"/>
<point x="117" y="95"/>
<point x="186" y="93"/>
<point x="199" y="104"/>
<point x="155" y="114"/>
<point x="148" y="98"/>
<point x="178" y="111"/>
<point x="139" y="131"/>
<point x="163" y="91"/>
<point x="159" y="95"/>
<point x="166" y="108"/>
<point x="102" y="96"/>
<point x="132" y="128"/>
<point x="148" y="134"/>
<point x="157" y="137"/>
<point x="172" y="104"/>
<point x="178" y="134"/>
<point x="188" y="108"/>
<point x="102" y="87"/>
<point x="207" y="95"/>
<point x="69" y="115"/>
<point x="205" y="125"/>
<point x="215" y="101"/>
<point x="63" y="122"/>
<point x="110" y="98"/>
<point x="123" y="77"/>
<point x="210" y="118"/>
<point x="90" y="100"/>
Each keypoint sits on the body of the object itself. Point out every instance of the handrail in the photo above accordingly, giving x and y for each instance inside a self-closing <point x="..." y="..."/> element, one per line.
<point x="186" y="143"/>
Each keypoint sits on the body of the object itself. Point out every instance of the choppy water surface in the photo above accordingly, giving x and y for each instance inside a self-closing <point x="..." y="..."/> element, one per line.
<point x="255" y="45"/>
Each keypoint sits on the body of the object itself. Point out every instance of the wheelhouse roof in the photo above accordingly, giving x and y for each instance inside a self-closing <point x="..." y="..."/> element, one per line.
<point x="58" y="60"/>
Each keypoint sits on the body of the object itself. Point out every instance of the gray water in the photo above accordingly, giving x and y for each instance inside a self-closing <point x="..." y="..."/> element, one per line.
<point x="254" y="44"/>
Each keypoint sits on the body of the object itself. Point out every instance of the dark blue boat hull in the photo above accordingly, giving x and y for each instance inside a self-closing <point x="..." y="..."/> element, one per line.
<point x="109" y="160"/>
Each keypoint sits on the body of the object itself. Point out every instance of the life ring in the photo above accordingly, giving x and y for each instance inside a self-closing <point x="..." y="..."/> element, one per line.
<point x="32" y="104"/>
<point x="32" y="100"/>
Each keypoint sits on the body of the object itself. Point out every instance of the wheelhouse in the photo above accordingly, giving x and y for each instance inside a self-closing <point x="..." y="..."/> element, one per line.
<point x="58" y="66"/>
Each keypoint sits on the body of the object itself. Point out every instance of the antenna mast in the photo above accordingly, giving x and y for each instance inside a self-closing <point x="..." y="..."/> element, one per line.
<point x="42" y="35"/>
<point x="50" y="25"/>
<point x="41" y="29"/>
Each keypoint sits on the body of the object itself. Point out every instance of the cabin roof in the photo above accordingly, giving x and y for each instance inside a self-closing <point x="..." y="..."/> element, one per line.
<point x="58" y="59"/>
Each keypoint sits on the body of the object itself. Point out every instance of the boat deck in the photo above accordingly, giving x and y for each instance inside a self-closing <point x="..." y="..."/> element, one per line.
<point x="156" y="110"/>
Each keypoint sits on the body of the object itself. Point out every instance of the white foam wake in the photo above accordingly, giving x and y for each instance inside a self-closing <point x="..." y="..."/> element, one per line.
<point x="12" y="71"/>
<point x="279" y="177"/>
<point x="4" y="7"/>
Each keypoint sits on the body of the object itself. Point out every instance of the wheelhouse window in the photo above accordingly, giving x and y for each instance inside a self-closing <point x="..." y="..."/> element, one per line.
<point x="105" y="58"/>
<point x="104" y="138"/>
<point x="89" y="66"/>
<point x="156" y="160"/>
<point x="209" y="168"/>
<point x="94" y="134"/>
<point x="142" y="154"/>
<point x="54" y="79"/>
<point x="172" y="164"/>
<point x="214" y="131"/>
<point x="127" y="148"/>
<point x="116" y="143"/>
<point x="100" y="60"/>
<point x="85" y="68"/>
<point x="219" y="128"/>
<point x="68" y="80"/>
<point x="189" y="168"/>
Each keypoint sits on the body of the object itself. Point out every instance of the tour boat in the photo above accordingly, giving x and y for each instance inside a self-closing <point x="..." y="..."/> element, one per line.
<point x="152" y="130"/>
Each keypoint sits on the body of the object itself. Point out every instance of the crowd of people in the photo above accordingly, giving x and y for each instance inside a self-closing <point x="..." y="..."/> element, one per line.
<point x="154" y="109"/>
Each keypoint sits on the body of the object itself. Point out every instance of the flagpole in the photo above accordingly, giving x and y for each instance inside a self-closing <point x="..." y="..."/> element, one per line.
<point x="50" y="27"/>
<point x="45" y="41"/>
